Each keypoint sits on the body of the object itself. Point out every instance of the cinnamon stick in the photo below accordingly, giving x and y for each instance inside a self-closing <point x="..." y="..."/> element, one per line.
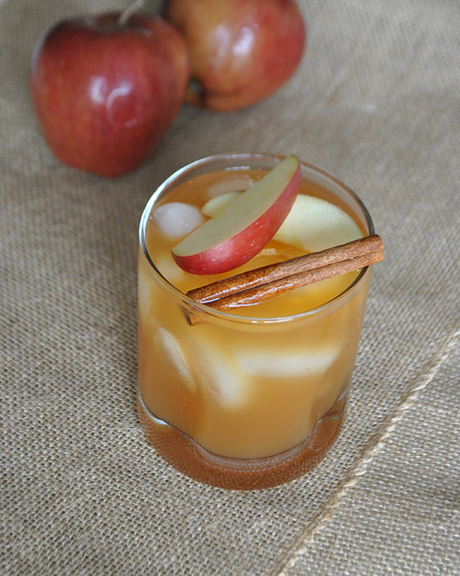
<point x="288" y="268"/>
<point x="257" y="285"/>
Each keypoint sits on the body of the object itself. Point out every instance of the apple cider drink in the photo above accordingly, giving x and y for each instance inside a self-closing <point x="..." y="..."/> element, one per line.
<point x="250" y="396"/>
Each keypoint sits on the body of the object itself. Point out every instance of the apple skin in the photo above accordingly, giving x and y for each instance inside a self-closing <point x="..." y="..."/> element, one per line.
<point x="241" y="51"/>
<point x="106" y="93"/>
<point x="244" y="244"/>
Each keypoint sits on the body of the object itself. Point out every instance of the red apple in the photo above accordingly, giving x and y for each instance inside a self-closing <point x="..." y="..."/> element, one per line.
<point x="105" y="92"/>
<point x="241" y="51"/>
<point x="240" y="230"/>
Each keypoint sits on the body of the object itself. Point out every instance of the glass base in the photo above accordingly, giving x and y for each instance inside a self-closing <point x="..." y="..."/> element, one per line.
<point x="191" y="459"/>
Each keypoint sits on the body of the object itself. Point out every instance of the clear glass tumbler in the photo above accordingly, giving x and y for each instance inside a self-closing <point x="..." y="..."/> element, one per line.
<point x="237" y="400"/>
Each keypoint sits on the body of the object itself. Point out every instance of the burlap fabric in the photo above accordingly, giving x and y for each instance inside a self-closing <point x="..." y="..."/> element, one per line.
<point x="376" y="102"/>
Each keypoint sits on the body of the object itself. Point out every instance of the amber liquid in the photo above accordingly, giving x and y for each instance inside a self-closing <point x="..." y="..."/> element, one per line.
<point x="243" y="402"/>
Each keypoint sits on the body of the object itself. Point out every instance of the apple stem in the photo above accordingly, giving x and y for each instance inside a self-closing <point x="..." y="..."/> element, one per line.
<point x="133" y="7"/>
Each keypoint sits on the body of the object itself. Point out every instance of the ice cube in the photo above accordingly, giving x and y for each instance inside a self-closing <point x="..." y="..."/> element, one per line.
<point x="221" y="376"/>
<point x="281" y="364"/>
<point x="230" y="184"/>
<point x="170" y="270"/>
<point x="175" y="354"/>
<point x="144" y="290"/>
<point x="177" y="219"/>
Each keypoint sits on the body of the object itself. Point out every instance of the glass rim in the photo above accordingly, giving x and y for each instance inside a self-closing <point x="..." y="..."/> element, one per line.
<point x="206" y="311"/>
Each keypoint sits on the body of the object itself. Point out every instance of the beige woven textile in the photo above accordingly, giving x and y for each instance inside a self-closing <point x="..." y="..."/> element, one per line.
<point x="376" y="102"/>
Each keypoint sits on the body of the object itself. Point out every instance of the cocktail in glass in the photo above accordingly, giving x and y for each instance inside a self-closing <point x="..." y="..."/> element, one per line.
<point x="254" y="397"/>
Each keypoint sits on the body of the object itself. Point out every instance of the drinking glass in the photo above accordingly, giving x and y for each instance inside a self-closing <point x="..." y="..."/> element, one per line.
<point x="236" y="400"/>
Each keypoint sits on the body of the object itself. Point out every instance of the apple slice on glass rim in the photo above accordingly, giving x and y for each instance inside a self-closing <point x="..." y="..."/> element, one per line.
<point x="313" y="224"/>
<point x="240" y="230"/>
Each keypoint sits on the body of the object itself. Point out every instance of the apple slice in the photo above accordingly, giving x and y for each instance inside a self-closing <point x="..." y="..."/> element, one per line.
<point x="239" y="231"/>
<point x="218" y="203"/>
<point x="314" y="224"/>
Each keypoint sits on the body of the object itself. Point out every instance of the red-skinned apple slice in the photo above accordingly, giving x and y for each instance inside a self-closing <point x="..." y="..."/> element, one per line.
<point x="239" y="231"/>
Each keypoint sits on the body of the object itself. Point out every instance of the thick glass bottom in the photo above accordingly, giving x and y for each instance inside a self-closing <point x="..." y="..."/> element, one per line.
<point x="191" y="459"/>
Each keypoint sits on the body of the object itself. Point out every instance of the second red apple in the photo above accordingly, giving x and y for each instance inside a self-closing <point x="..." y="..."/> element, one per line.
<point x="241" y="51"/>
